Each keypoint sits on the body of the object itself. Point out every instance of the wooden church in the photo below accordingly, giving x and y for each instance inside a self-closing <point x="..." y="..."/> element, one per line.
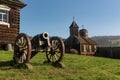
<point x="78" y="42"/>
<point x="9" y="22"/>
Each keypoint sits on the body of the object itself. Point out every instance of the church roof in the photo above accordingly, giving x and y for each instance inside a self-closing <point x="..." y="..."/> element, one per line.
<point x="17" y="3"/>
<point x="90" y="41"/>
<point x="80" y="39"/>
<point x="75" y="40"/>
<point x="83" y="30"/>
<point x="74" y="24"/>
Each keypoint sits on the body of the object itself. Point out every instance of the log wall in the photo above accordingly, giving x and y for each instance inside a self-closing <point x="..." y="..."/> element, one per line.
<point x="8" y="34"/>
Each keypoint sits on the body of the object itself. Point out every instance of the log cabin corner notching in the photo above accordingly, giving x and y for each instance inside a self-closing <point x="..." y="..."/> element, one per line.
<point x="9" y="21"/>
<point x="79" y="42"/>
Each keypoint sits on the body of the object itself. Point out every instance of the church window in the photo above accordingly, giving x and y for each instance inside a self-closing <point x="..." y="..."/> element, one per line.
<point x="90" y="48"/>
<point x="84" y="48"/>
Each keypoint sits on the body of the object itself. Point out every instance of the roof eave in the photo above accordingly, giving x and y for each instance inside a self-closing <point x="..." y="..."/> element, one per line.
<point x="15" y="3"/>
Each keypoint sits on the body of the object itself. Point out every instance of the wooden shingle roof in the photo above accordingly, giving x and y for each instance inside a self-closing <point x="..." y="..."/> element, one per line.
<point x="74" y="24"/>
<point x="74" y="40"/>
<point x="80" y="39"/>
<point x="90" y="41"/>
<point x="16" y="3"/>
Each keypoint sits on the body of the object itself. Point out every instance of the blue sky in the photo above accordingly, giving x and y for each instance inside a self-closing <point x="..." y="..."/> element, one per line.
<point x="99" y="17"/>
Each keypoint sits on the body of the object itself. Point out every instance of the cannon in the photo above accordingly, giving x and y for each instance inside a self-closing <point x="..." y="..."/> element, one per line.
<point x="26" y="47"/>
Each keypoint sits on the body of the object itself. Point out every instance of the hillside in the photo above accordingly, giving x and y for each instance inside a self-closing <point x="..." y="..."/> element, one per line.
<point x="111" y="41"/>
<point x="77" y="67"/>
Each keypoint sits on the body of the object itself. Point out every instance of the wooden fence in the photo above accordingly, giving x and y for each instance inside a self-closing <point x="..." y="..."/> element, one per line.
<point x="109" y="52"/>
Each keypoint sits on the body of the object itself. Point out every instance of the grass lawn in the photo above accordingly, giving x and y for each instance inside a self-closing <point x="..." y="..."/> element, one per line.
<point x="77" y="67"/>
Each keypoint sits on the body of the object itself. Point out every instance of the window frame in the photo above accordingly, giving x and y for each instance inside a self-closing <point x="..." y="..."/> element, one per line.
<point x="84" y="48"/>
<point x="5" y="12"/>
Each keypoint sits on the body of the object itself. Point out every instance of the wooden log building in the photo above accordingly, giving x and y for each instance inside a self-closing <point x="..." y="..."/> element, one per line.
<point x="78" y="42"/>
<point x="9" y="22"/>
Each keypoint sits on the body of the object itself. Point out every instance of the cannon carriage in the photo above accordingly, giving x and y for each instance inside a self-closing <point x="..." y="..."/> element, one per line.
<point x="25" y="48"/>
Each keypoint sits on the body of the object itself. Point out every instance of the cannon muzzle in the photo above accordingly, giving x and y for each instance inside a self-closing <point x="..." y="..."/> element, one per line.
<point x="45" y="35"/>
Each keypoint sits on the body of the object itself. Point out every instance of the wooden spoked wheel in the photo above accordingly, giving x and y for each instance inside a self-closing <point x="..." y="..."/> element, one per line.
<point x="22" y="49"/>
<point x="57" y="50"/>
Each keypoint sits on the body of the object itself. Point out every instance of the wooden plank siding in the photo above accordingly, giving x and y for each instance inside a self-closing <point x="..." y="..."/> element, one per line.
<point x="9" y="34"/>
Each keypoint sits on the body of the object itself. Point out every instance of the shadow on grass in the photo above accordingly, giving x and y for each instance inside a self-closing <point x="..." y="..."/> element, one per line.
<point x="6" y="65"/>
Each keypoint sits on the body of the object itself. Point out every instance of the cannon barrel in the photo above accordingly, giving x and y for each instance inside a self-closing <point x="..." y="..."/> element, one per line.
<point x="44" y="35"/>
<point x="41" y="40"/>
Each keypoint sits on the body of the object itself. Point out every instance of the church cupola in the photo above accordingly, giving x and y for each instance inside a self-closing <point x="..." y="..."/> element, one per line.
<point x="74" y="29"/>
<point x="83" y="32"/>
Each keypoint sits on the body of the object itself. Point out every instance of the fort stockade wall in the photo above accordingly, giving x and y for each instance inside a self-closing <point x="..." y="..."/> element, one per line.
<point x="109" y="52"/>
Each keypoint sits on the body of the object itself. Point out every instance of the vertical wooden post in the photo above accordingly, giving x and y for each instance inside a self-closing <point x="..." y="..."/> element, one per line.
<point x="9" y="47"/>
